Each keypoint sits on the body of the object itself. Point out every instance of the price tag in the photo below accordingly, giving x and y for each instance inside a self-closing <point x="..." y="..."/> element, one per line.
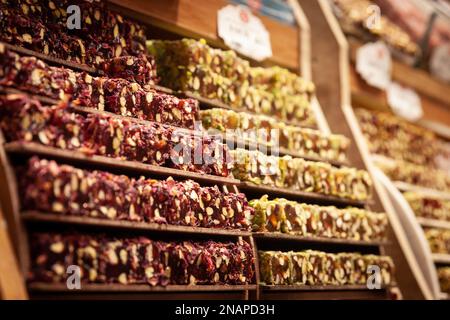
<point x="405" y="102"/>
<point x="244" y="32"/>
<point x="373" y="63"/>
<point x="440" y="62"/>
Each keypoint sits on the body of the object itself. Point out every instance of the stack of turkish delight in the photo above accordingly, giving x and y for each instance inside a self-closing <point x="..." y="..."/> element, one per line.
<point x="427" y="206"/>
<point x="281" y="215"/>
<point x="320" y="268"/>
<point x="267" y="130"/>
<point x="121" y="95"/>
<point x="444" y="278"/>
<point x="50" y="187"/>
<point x="52" y="28"/>
<point x="415" y="174"/>
<point x="103" y="259"/>
<point x="358" y="13"/>
<point x="25" y="119"/>
<point x="299" y="174"/>
<point x="438" y="239"/>
<point x="395" y="138"/>
<point x="193" y="66"/>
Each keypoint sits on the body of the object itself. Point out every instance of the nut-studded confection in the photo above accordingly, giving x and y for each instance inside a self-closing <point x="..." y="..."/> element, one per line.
<point x="141" y="69"/>
<point x="396" y="138"/>
<point x="264" y="129"/>
<point x="354" y="13"/>
<point x="274" y="267"/>
<point x="140" y="260"/>
<point x="116" y="95"/>
<point x="281" y="215"/>
<point x="438" y="239"/>
<point x="24" y="119"/>
<point x="66" y="190"/>
<point x="191" y="65"/>
<point x="415" y="174"/>
<point x="312" y="267"/>
<point x="444" y="278"/>
<point x="298" y="174"/>
<point x="42" y="26"/>
<point x="428" y="206"/>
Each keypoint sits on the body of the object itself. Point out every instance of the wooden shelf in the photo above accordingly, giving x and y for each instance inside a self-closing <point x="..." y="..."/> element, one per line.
<point x="317" y="288"/>
<point x="441" y="258"/>
<point x="32" y="148"/>
<point x="50" y="59"/>
<point x="115" y="287"/>
<point x="36" y="216"/>
<point x="403" y="186"/>
<point x="301" y="195"/>
<point x="290" y="237"/>
<point x="433" y="223"/>
<point x="225" y="138"/>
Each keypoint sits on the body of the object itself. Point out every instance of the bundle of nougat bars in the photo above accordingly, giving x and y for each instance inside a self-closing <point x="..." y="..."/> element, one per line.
<point x="396" y="138"/>
<point x="121" y="91"/>
<point x="50" y="187"/>
<point x="50" y="27"/>
<point x="267" y="130"/>
<point x="444" y="278"/>
<point x="25" y="119"/>
<point x="358" y="13"/>
<point x="103" y="259"/>
<point x="299" y="174"/>
<point x="438" y="239"/>
<point x="320" y="268"/>
<point x="281" y="215"/>
<point x="193" y="66"/>
<point x="428" y="206"/>
<point x="414" y="174"/>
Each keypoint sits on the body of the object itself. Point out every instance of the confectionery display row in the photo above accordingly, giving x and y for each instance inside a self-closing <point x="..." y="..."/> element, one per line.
<point x="205" y="104"/>
<point x="54" y="159"/>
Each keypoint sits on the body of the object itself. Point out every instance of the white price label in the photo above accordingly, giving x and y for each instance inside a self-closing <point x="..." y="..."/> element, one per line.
<point x="405" y="102"/>
<point x="244" y="32"/>
<point x="373" y="63"/>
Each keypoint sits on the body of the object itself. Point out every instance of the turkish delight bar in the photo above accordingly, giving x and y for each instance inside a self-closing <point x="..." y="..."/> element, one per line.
<point x="299" y="174"/>
<point x="396" y="138"/>
<point x="117" y="95"/>
<point x="313" y="267"/>
<point x="414" y="174"/>
<point x="267" y="130"/>
<point x="43" y="26"/>
<point x="103" y="259"/>
<point x="25" y="119"/>
<point x="62" y="189"/>
<point x="427" y="206"/>
<point x="193" y="66"/>
<point x="438" y="239"/>
<point x="444" y="278"/>
<point x="281" y="215"/>
<point x="356" y="13"/>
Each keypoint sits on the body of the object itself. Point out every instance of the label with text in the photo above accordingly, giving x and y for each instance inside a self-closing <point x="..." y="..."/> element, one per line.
<point x="244" y="32"/>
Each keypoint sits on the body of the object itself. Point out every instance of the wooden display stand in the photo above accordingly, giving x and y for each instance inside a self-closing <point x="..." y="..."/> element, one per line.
<point x="436" y="117"/>
<point x="331" y="75"/>
<point x="174" y="19"/>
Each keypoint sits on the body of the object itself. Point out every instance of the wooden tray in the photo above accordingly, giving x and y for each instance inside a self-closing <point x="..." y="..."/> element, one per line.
<point x="111" y="287"/>
<point x="32" y="148"/>
<point x="36" y="216"/>
<point x="433" y="223"/>
<point x="441" y="258"/>
<point x="301" y="195"/>
<point x="290" y="237"/>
